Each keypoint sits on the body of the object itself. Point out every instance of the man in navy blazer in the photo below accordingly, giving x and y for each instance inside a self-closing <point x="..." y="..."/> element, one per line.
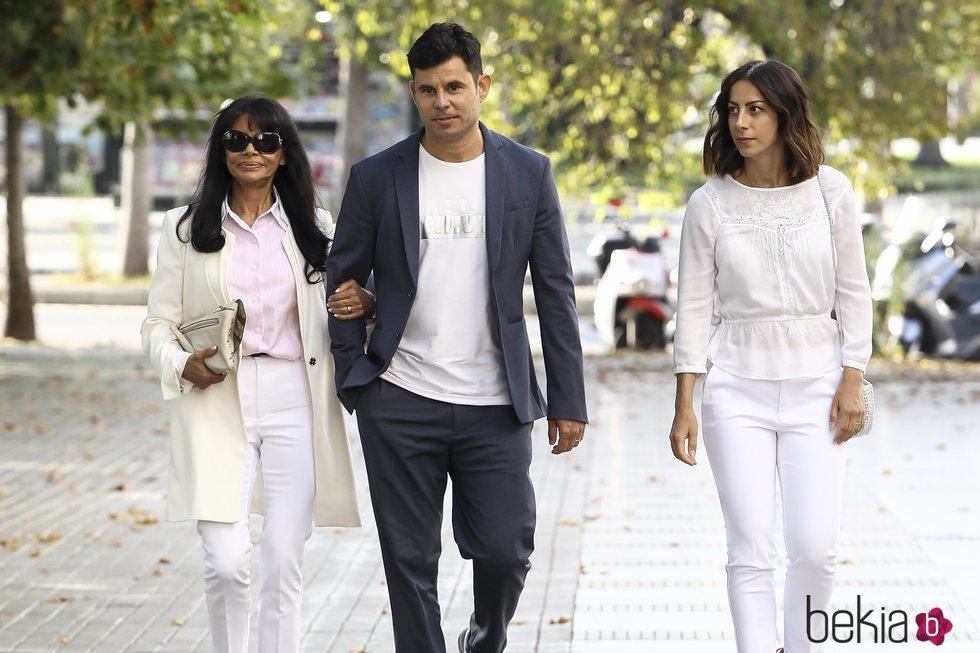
<point x="448" y="222"/>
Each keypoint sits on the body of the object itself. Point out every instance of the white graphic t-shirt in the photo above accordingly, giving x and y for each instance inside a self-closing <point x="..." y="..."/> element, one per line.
<point x="450" y="350"/>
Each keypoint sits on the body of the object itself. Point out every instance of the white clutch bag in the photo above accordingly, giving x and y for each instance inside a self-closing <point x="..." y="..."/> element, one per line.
<point x="224" y="327"/>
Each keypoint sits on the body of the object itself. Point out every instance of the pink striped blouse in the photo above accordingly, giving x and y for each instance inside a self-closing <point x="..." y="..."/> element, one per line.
<point x="262" y="278"/>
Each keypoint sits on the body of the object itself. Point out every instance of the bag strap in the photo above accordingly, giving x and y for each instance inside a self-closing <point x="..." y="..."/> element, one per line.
<point x="833" y="249"/>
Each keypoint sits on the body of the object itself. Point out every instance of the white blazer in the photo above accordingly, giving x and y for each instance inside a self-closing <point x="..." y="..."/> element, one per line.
<point x="208" y="449"/>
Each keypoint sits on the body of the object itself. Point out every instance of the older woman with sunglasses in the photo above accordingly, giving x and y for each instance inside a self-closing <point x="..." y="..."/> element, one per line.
<point x="253" y="232"/>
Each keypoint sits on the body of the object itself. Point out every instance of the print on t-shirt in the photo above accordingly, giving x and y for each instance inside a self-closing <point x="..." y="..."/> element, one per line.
<point x="459" y="218"/>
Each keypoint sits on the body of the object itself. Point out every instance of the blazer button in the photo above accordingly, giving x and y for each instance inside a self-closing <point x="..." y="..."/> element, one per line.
<point x="312" y="361"/>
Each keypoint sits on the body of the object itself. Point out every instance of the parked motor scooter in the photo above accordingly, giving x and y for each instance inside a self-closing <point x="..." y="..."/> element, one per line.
<point x="616" y="234"/>
<point x="941" y="294"/>
<point x="631" y="308"/>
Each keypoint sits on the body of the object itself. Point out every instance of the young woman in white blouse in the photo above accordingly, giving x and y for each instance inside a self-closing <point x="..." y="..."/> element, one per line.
<point x="782" y="390"/>
<point x="253" y="232"/>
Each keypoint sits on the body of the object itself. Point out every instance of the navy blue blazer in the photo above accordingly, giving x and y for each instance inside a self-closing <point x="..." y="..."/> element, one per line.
<point x="378" y="232"/>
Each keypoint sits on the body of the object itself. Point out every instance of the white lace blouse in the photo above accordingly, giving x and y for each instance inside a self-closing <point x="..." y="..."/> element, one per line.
<point x="756" y="280"/>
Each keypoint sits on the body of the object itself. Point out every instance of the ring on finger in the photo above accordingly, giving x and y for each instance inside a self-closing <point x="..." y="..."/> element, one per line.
<point x="349" y="309"/>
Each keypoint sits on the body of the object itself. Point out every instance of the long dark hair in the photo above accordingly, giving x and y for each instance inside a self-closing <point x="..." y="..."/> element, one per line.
<point x="293" y="182"/>
<point x="784" y="91"/>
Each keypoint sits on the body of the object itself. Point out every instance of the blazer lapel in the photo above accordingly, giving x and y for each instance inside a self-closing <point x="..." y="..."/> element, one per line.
<point x="298" y="264"/>
<point x="407" y="192"/>
<point x="496" y="176"/>
<point x="218" y="268"/>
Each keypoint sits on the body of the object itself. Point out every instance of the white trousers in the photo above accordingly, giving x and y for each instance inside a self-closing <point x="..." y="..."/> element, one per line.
<point x="278" y="413"/>
<point x="758" y="433"/>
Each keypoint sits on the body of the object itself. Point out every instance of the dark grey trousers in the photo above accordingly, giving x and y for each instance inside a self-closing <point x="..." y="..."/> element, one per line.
<point x="411" y="446"/>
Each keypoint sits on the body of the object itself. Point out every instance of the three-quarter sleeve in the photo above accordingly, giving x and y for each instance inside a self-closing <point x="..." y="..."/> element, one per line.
<point x="855" y="312"/>
<point x="696" y="276"/>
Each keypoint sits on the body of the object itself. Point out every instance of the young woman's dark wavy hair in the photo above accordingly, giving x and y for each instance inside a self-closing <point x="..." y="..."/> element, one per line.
<point x="784" y="91"/>
<point x="293" y="182"/>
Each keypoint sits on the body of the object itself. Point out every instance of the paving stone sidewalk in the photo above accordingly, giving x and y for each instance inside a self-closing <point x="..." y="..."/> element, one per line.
<point x="630" y="544"/>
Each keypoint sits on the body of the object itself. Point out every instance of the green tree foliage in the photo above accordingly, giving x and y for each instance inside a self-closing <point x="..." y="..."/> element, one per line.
<point x="603" y="87"/>
<point x="876" y="70"/>
<point x="168" y="63"/>
<point x="154" y="59"/>
<point x="144" y="61"/>
<point x="616" y="91"/>
<point x="39" y="51"/>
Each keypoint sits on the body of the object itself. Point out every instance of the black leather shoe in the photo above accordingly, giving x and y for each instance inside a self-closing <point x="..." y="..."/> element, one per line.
<point x="462" y="640"/>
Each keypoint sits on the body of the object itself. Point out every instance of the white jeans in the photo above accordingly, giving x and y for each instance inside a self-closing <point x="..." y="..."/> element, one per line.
<point x="757" y="432"/>
<point x="278" y="413"/>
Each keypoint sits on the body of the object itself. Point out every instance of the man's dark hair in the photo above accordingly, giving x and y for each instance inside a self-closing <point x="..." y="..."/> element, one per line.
<point x="440" y="43"/>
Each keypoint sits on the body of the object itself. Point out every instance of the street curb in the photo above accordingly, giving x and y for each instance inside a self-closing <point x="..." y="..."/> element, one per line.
<point x="47" y="291"/>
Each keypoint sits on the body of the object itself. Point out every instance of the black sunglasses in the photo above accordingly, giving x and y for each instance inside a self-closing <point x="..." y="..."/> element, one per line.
<point x="236" y="141"/>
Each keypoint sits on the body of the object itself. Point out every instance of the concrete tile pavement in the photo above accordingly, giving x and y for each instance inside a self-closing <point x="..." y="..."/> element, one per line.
<point x="87" y="565"/>
<point x="653" y="576"/>
<point x="630" y="545"/>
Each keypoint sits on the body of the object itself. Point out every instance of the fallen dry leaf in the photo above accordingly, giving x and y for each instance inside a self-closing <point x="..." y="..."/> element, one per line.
<point x="177" y="621"/>
<point x="59" y="599"/>
<point x="144" y="519"/>
<point x="10" y="543"/>
<point x="164" y="560"/>
<point x="65" y="639"/>
<point x="48" y="538"/>
<point x="36" y="553"/>
<point x="560" y="620"/>
<point x="42" y="428"/>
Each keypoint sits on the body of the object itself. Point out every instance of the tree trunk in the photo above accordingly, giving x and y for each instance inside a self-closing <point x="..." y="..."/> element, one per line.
<point x="930" y="155"/>
<point x="51" y="159"/>
<point x="354" y="77"/>
<point x="137" y="162"/>
<point x="20" y="302"/>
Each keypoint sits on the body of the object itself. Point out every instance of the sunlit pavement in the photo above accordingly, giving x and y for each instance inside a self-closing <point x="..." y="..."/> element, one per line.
<point x="630" y="545"/>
